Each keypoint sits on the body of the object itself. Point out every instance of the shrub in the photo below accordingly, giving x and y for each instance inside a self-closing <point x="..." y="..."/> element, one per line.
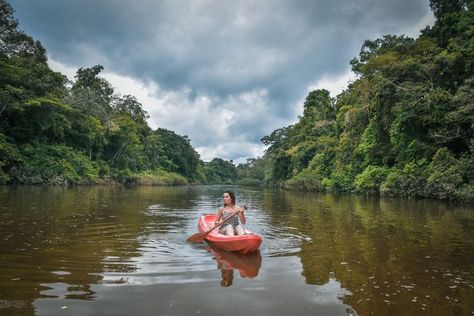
<point x="53" y="164"/>
<point x="445" y="177"/>
<point x="341" y="179"/>
<point x="161" y="177"/>
<point x="466" y="192"/>
<point x="124" y="175"/>
<point x="370" y="179"/>
<point x="411" y="181"/>
<point x="251" y="182"/>
<point x="8" y="157"/>
<point x="307" y="179"/>
<point x="338" y="182"/>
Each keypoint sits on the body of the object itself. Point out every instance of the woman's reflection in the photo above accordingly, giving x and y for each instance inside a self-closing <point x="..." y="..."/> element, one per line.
<point x="248" y="265"/>
<point x="227" y="276"/>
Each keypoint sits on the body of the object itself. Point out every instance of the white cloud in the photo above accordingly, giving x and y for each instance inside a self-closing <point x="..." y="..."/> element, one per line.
<point x="69" y="71"/>
<point x="335" y="84"/>
<point x="217" y="127"/>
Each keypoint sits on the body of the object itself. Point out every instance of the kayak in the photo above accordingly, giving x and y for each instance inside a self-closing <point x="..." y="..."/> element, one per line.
<point x="249" y="242"/>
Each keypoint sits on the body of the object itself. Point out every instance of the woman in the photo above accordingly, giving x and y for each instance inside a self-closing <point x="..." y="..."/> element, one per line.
<point x="232" y="226"/>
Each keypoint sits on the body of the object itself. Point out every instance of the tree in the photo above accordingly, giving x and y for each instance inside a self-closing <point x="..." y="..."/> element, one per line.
<point x="91" y="94"/>
<point x="128" y="105"/>
<point x="441" y="8"/>
<point x="220" y="171"/>
<point x="277" y="139"/>
<point x="14" y="42"/>
<point x="319" y="106"/>
<point x="177" y="153"/>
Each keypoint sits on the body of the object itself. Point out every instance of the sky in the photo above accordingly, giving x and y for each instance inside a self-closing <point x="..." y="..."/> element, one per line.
<point x="223" y="73"/>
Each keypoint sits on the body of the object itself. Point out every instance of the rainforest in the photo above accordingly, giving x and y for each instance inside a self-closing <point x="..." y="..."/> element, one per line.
<point x="403" y="128"/>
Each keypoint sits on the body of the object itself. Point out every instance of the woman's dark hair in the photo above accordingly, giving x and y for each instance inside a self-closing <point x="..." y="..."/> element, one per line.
<point x="227" y="277"/>
<point x="232" y="196"/>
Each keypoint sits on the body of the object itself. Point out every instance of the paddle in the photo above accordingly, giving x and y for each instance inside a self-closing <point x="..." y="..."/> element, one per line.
<point x="199" y="237"/>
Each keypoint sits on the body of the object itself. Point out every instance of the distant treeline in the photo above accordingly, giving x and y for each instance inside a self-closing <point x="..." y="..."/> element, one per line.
<point x="59" y="132"/>
<point x="403" y="128"/>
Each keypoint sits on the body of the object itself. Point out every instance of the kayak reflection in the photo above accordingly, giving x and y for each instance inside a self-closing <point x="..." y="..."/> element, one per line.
<point x="248" y="265"/>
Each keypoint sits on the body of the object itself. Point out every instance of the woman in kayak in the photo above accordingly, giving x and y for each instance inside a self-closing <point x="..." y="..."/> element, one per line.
<point x="232" y="226"/>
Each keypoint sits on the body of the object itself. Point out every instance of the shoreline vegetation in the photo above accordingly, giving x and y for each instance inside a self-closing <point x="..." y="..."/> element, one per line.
<point x="403" y="128"/>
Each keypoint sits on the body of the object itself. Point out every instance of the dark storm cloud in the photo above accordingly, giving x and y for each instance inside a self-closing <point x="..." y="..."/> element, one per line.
<point x="219" y="48"/>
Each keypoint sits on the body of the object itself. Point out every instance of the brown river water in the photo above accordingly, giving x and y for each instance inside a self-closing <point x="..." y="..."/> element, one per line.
<point x="113" y="250"/>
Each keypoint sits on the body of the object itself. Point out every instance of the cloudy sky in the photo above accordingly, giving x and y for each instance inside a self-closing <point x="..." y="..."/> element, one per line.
<point x="223" y="72"/>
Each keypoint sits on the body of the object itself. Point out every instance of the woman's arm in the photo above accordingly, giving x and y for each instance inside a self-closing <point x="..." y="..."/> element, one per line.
<point x="243" y="220"/>
<point x="219" y="216"/>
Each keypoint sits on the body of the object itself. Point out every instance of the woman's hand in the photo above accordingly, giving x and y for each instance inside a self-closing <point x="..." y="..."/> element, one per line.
<point x="242" y="214"/>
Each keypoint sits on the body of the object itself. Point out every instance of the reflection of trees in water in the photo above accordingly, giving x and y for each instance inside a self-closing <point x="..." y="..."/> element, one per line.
<point x="57" y="241"/>
<point x="390" y="253"/>
<point x="332" y="291"/>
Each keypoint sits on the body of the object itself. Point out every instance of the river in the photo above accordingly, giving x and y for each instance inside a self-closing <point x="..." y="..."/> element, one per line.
<point x="115" y="250"/>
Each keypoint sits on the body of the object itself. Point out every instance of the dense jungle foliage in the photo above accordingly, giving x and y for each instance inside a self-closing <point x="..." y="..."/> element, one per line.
<point x="59" y="132"/>
<point x="404" y="127"/>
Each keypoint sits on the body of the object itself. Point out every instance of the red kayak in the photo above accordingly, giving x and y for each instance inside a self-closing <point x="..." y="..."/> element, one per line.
<point x="249" y="242"/>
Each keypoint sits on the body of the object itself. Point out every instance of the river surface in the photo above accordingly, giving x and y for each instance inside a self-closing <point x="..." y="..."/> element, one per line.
<point x="113" y="250"/>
